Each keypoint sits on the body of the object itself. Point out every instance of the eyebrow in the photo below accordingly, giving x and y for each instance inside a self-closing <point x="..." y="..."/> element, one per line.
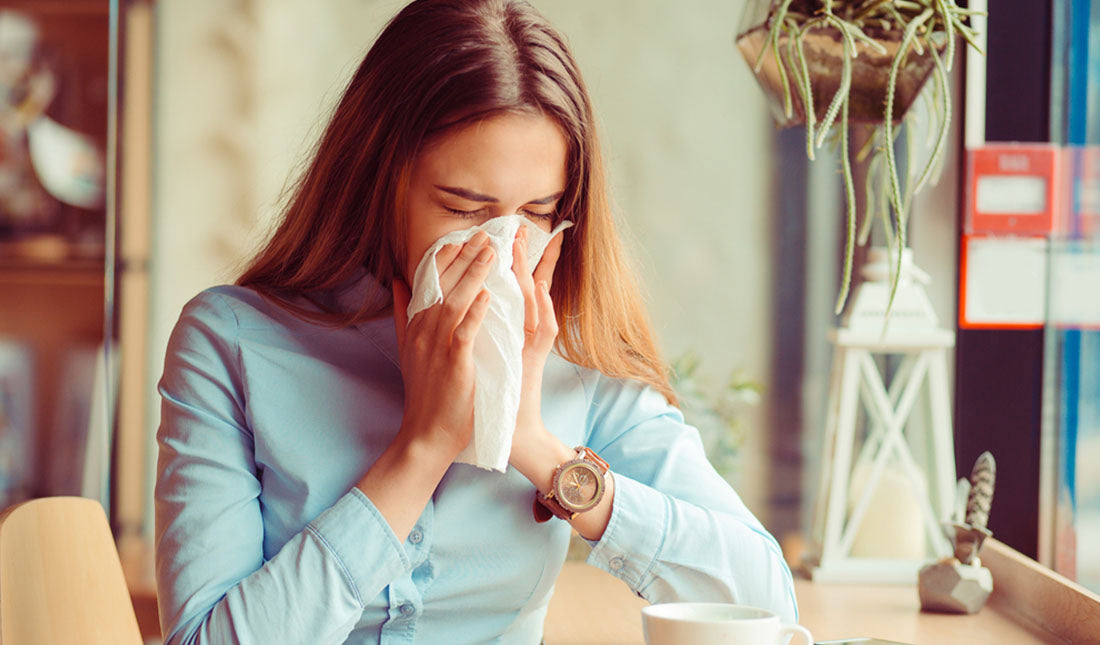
<point x="478" y="197"/>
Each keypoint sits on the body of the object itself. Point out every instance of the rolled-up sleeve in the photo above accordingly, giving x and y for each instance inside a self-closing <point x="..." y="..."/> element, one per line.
<point x="678" y="531"/>
<point x="213" y="583"/>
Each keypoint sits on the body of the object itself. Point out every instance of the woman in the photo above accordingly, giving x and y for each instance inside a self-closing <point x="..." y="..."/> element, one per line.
<point x="306" y="488"/>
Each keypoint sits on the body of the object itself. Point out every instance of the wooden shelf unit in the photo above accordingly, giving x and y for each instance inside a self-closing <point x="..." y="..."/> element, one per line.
<point x="69" y="272"/>
<point x="54" y="305"/>
<point x="52" y="310"/>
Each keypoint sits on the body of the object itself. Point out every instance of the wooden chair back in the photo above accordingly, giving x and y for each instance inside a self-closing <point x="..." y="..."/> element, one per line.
<point x="60" y="576"/>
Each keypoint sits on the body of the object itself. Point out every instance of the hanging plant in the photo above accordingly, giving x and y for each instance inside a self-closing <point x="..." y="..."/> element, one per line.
<point x="829" y="64"/>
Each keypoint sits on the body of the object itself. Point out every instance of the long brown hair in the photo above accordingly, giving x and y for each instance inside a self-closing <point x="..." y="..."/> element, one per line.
<point x="439" y="64"/>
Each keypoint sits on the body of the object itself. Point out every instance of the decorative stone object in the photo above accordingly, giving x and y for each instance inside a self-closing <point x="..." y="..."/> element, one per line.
<point x="960" y="584"/>
<point x="952" y="587"/>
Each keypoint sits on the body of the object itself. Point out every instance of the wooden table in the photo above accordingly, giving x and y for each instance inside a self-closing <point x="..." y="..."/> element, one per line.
<point x="892" y="612"/>
<point x="590" y="606"/>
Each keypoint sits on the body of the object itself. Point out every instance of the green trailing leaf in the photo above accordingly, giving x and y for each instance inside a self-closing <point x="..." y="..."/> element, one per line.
<point x="949" y="29"/>
<point x="931" y="102"/>
<point x="868" y="8"/>
<point x="791" y="55"/>
<point x="969" y="35"/>
<point x="856" y="32"/>
<point x="841" y="95"/>
<point x="908" y="6"/>
<point x="891" y="163"/>
<point x="884" y="201"/>
<point x="888" y="114"/>
<point x="869" y="196"/>
<point x="910" y="159"/>
<point x="945" y="121"/>
<point x="850" y="191"/>
<point x="866" y="148"/>
<point x="773" y="36"/>
<point x="807" y="90"/>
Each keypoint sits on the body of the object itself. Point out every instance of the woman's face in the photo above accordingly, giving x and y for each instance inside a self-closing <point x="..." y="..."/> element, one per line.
<point x="511" y="163"/>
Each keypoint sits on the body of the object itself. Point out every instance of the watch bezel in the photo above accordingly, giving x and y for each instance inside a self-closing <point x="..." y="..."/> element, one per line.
<point x="566" y="468"/>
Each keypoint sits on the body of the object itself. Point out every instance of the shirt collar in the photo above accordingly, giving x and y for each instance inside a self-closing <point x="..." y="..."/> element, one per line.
<point x="350" y="295"/>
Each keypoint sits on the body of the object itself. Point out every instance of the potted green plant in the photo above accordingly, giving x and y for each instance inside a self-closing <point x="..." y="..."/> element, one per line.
<point x="715" y="411"/>
<point x="832" y="64"/>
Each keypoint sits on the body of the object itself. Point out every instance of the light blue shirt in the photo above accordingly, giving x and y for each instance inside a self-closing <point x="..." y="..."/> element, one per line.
<point x="269" y="421"/>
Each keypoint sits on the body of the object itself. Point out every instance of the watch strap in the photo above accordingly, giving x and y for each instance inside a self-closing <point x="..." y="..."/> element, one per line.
<point x="587" y="454"/>
<point x="545" y="508"/>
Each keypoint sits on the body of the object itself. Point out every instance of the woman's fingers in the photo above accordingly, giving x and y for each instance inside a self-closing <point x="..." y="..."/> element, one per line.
<point x="548" y="322"/>
<point x="526" y="284"/>
<point x="466" y="331"/>
<point x="464" y="255"/>
<point x="446" y="256"/>
<point x="464" y="268"/>
<point x="544" y="272"/>
<point x="457" y="302"/>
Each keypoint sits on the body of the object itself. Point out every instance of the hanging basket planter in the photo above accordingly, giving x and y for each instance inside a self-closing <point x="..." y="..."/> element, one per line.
<point x="829" y="64"/>
<point x="825" y="62"/>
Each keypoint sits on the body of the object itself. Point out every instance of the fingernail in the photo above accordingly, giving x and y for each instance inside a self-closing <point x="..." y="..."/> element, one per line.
<point x="485" y="256"/>
<point x="480" y="239"/>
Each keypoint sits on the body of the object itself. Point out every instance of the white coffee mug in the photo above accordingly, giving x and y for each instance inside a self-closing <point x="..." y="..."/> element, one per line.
<point x="716" y="623"/>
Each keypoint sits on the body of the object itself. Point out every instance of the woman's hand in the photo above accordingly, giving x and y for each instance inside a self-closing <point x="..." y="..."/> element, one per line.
<point x="535" y="451"/>
<point x="437" y="366"/>
<point x="436" y="348"/>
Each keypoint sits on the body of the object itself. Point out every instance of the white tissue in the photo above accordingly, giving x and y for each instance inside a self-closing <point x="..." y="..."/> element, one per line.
<point x="498" y="346"/>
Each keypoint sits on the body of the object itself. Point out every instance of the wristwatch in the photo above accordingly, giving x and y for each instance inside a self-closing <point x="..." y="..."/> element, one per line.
<point x="577" y="486"/>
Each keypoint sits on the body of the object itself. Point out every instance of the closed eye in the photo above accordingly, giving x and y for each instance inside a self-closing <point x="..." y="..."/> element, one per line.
<point x="464" y="214"/>
<point x="545" y="216"/>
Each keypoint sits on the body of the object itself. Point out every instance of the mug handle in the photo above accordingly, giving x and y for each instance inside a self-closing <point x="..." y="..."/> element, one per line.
<point x="801" y="635"/>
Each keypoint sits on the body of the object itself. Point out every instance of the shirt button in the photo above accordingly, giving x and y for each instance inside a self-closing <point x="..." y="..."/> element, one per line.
<point x="407" y="610"/>
<point x="416" y="537"/>
<point x="617" y="563"/>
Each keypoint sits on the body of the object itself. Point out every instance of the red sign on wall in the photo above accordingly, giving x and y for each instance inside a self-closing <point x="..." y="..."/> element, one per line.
<point x="1015" y="189"/>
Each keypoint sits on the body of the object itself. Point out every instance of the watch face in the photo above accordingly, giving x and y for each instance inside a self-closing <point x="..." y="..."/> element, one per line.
<point x="580" y="486"/>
